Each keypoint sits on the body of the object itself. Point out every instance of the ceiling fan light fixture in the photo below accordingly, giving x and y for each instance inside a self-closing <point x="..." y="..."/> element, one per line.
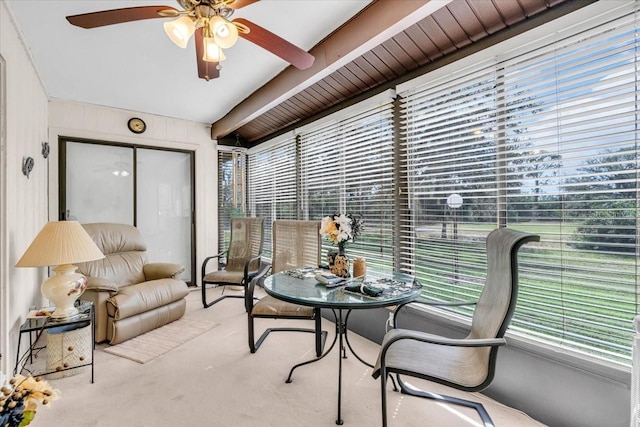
<point x="212" y="52"/>
<point x="224" y="32"/>
<point x="180" y="30"/>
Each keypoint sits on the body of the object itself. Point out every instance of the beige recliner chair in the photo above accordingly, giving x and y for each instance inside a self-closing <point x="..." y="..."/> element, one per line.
<point x="131" y="296"/>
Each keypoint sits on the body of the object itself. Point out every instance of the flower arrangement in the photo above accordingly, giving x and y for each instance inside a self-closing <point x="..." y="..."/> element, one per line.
<point x="19" y="400"/>
<point x="341" y="228"/>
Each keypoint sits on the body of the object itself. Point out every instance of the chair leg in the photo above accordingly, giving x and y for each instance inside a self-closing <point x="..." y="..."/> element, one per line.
<point x="252" y="344"/>
<point x="383" y="384"/>
<point x="482" y="412"/>
<point x="209" y="304"/>
<point x="206" y="304"/>
<point x="320" y="335"/>
<point x="203" y="288"/>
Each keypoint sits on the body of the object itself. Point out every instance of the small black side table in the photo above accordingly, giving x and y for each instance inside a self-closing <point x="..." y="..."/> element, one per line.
<point x="86" y="317"/>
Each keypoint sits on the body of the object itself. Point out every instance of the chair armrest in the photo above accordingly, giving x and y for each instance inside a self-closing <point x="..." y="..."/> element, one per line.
<point x="402" y="334"/>
<point x="162" y="270"/>
<point x="264" y="269"/>
<point x="99" y="284"/>
<point x="396" y="335"/>
<point x="209" y="258"/>
<point x="250" y="274"/>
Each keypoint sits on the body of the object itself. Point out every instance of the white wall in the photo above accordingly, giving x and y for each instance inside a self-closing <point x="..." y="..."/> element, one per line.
<point x="80" y="120"/>
<point x="29" y="203"/>
<point x="25" y="207"/>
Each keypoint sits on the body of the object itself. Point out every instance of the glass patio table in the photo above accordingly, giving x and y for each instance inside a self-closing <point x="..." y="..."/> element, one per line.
<point x="300" y="286"/>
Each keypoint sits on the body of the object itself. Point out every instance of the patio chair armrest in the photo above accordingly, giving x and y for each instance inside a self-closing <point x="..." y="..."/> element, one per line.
<point x="396" y="335"/>
<point x="250" y="274"/>
<point x="209" y="258"/>
<point x="264" y="269"/>
<point x="402" y="334"/>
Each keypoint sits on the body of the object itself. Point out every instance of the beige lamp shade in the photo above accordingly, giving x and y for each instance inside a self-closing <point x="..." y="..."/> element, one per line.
<point x="60" y="242"/>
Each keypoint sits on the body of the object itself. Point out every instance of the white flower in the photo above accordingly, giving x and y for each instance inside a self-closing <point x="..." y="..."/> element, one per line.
<point x="344" y="226"/>
<point x="340" y="228"/>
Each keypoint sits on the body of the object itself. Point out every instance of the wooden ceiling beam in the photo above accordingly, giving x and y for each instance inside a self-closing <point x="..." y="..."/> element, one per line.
<point x="375" y="24"/>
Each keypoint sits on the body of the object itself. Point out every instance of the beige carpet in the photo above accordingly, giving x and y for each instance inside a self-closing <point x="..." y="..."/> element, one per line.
<point x="214" y="381"/>
<point x="155" y="343"/>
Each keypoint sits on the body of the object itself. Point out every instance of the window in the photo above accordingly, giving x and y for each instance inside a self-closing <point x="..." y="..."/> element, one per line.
<point x="539" y="134"/>
<point x="231" y="192"/>
<point x="544" y="140"/>
<point x="347" y="167"/>
<point x="272" y="186"/>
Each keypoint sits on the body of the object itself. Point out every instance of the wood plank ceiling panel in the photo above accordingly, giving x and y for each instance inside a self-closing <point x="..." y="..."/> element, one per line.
<point x="532" y="7"/>
<point x="383" y="68"/>
<point x="293" y="107"/>
<point x="302" y="102"/>
<point x="450" y="26"/>
<point x="488" y="15"/>
<point x="427" y="46"/>
<point x="459" y="24"/>
<point x="333" y="85"/>
<point x="374" y="76"/>
<point x="510" y="11"/>
<point x="342" y="76"/>
<point x="362" y="80"/>
<point x="438" y="37"/>
<point x="403" y="62"/>
<point x="474" y="27"/>
<point x="414" y="55"/>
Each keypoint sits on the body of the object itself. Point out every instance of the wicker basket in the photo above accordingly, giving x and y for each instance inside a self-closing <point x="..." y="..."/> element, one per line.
<point x="67" y="347"/>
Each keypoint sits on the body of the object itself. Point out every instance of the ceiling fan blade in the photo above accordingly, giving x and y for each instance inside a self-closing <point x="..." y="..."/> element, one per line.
<point x="206" y="70"/>
<point x="118" y="16"/>
<point x="237" y="4"/>
<point x="276" y="45"/>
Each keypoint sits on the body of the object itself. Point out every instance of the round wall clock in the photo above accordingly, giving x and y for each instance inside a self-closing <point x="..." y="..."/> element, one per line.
<point x="136" y="125"/>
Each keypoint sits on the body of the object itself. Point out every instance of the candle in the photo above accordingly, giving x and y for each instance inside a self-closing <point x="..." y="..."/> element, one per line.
<point x="359" y="267"/>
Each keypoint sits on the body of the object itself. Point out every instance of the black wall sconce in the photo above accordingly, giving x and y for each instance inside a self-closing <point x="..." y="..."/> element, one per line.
<point x="27" y="166"/>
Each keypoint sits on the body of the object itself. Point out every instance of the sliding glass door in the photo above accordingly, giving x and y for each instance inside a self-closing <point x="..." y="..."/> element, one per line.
<point x="163" y="208"/>
<point x="149" y="188"/>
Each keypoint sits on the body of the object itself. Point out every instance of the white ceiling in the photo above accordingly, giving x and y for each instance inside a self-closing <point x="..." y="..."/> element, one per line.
<point x="135" y="66"/>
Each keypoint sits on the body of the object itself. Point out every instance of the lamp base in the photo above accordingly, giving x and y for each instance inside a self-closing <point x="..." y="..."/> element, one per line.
<point x="63" y="289"/>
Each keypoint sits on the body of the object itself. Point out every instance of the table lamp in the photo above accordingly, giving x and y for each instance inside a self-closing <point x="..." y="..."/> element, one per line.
<point x="60" y="244"/>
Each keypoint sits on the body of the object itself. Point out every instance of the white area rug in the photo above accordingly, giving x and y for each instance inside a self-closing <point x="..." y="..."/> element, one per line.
<point x="152" y="344"/>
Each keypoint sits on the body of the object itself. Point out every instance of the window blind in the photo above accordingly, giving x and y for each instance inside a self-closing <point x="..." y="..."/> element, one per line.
<point x="231" y="192"/>
<point x="347" y="167"/>
<point x="543" y="140"/>
<point x="272" y="186"/>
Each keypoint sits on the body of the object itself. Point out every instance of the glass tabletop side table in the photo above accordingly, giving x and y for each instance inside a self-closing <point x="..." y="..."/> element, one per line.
<point x="34" y="327"/>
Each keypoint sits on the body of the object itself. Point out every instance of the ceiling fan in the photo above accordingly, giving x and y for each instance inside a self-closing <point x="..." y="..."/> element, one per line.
<point x="210" y="21"/>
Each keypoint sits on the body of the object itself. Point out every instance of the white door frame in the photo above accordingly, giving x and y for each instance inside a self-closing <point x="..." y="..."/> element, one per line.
<point x="4" y="242"/>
